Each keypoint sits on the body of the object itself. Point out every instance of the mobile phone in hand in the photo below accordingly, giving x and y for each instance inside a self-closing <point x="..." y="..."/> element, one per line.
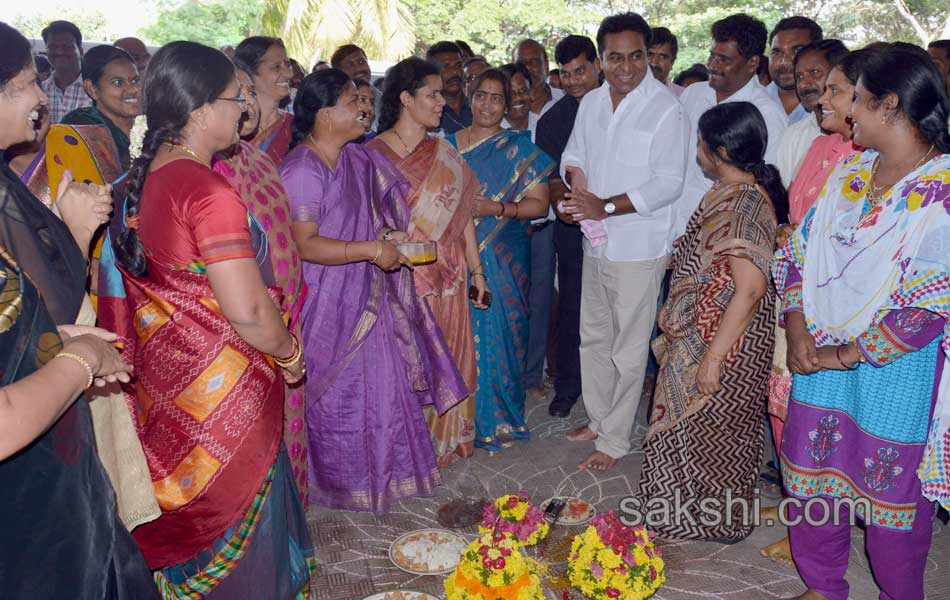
<point x="473" y="294"/>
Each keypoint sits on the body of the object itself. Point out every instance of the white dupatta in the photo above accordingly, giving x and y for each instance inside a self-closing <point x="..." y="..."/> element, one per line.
<point x="859" y="266"/>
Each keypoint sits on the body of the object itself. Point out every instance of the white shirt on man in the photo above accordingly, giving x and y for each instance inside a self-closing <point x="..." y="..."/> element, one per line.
<point x="534" y="117"/>
<point x="795" y="144"/>
<point x="676" y="89"/>
<point x="697" y="99"/>
<point x="639" y="149"/>
<point x="556" y="94"/>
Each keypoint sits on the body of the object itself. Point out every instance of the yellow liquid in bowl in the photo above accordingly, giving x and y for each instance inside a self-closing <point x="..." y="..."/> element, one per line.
<point x="423" y="258"/>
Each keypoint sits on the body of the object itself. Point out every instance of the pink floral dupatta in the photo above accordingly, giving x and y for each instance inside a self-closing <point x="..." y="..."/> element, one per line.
<point x="253" y="174"/>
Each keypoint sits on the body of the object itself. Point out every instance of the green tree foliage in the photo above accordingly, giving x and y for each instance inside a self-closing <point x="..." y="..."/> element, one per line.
<point x="391" y="30"/>
<point x="493" y="27"/>
<point x="213" y="22"/>
<point x="92" y="23"/>
<point x="313" y="29"/>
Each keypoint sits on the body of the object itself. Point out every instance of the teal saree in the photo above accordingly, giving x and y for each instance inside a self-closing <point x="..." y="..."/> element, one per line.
<point x="507" y="164"/>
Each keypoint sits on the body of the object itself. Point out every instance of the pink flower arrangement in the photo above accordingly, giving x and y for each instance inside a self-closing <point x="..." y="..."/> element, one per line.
<point x="516" y="516"/>
<point x="611" y="560"/>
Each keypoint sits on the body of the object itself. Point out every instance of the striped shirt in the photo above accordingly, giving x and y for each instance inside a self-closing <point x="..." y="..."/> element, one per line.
<point x="62" y="102"/>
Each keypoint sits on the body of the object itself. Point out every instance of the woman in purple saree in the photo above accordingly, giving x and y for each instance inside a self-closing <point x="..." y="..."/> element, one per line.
<point x="374" y="353"/>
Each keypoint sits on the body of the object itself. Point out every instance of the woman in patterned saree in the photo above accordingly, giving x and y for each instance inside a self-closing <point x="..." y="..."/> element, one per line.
<point x="513" y="189"/>
<point x="441" y="199"/>
<point x="254" y="176"/>
<point x="201" y="328"/>
<point x="718" y="329"/>
<point x="375" y="354"/>
<point x="268" y="59"/>
<point x="865" y="290"/>
<point x="56" y="504"/>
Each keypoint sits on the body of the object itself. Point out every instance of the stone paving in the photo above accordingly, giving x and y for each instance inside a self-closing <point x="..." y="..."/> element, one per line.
<point x="352" y="548"/>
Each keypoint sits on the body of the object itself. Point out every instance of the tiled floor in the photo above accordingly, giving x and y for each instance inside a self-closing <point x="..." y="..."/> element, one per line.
<point x="352" y="547"/>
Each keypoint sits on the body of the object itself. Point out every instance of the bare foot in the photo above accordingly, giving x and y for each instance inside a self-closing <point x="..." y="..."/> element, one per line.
<point x="582" y="434"/>
<point x="768" y="515"/>
<point x="810" y="595"/>
<point x="598" y="461"/>
<point x="780" y="552"/>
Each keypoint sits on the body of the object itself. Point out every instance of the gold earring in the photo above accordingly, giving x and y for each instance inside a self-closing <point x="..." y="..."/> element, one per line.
<point x="884" y="120"/>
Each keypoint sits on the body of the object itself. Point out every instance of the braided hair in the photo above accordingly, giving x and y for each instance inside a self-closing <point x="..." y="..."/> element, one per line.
<point x="182" y="77"/>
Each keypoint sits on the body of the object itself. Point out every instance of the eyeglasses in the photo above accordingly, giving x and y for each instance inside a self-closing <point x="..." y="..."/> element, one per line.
<point x="241" y="100"/>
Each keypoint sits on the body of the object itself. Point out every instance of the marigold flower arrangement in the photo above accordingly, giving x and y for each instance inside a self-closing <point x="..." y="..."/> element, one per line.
<point x="611" y="560"/>
<point x="516" y="516"/>
<point x="493" y="568"/>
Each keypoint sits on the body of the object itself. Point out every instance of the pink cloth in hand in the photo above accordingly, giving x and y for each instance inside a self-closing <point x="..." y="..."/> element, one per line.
<point x="594" y="231"/>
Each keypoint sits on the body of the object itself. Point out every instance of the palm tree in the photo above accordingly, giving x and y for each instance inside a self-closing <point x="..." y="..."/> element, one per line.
<point x="312" y="29"/>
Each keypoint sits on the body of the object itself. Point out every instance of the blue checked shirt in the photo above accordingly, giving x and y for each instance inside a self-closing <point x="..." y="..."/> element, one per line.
<point x="62" y="102"/>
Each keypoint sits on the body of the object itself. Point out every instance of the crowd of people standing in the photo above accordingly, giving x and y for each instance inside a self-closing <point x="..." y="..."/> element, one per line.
<point x="221" y="257"/>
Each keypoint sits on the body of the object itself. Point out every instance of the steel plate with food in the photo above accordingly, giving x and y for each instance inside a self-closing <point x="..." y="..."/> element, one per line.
<point x="427" y="551"/>
<point x="576" y="511"/>
<point x="401" y="595"/>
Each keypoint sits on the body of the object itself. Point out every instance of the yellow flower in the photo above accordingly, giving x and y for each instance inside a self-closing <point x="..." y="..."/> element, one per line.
<point x="855" y="185"/>
<point x="609" y="559"/>
<point x="593" y="568"/>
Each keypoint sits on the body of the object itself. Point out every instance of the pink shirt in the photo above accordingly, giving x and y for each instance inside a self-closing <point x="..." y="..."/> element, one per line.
<point x="823" y="156"/>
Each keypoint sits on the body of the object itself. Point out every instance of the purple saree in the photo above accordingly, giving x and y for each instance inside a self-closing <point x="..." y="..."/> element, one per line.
<point x="374" y="354"/>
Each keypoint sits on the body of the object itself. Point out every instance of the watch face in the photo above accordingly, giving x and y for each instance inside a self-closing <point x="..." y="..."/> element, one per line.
<point x="610" y="207"/>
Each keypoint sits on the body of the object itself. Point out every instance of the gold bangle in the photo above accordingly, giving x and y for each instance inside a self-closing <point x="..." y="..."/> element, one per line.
<point x="346" y="256"/>
<point x="379" y="252"/>
<point x="517" y="208"/>
<point x="82" y="361"/>
<point x="501" y="210"/>
<point x="295" y="354"/>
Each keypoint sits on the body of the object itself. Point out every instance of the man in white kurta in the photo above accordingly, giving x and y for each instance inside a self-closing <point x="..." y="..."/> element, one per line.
<point x="625" y="161"/>
<point x="738" y="41"/>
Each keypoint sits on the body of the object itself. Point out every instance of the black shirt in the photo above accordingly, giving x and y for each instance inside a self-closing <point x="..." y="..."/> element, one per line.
<point x="452" y="121"/>
<point x="554" y="129"/>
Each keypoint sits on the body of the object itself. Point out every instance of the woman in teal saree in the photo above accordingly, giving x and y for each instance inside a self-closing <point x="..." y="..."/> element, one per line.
<point x="512" y="174"/>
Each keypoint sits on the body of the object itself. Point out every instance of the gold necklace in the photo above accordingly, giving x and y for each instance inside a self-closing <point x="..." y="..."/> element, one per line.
<point x="471" y="144"/>
<point x="403" y="142"/>
<point x="875" y="194"/>
<point x="187" y="150"/>
<point x="319" y="151"/>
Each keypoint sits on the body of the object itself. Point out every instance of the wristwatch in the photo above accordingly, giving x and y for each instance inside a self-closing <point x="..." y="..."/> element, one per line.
<point x="610" y="207"/>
